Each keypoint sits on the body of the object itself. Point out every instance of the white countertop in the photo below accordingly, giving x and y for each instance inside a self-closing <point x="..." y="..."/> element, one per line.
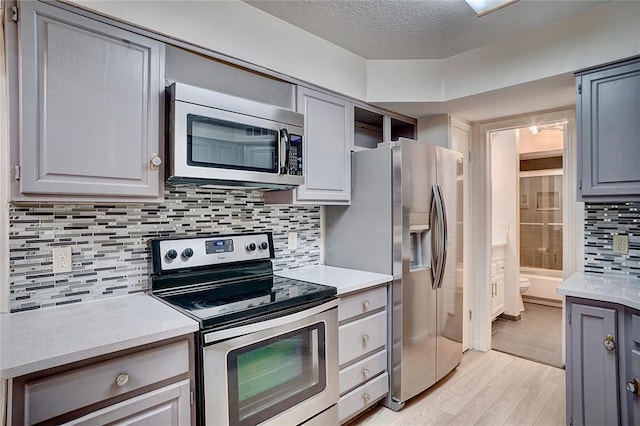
<point x="49" y="337"/>
<point x="345" y="280"/>
<point x="607" y="288"/>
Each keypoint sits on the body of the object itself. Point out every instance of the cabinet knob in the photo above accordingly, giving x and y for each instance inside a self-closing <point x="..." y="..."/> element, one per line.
<point x="365" y="304"/>
<point x="122" y="379"/>
<point x="365" y="338"/>
<point x="634" y="387"/>
<point x="155" y="161"/>
<point x="365" y="372"/>
<point x="366" y="397"/>
<point x="609" y="343"/>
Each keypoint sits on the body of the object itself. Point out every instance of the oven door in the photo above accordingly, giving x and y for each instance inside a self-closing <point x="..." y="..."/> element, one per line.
<point x="283" y="370"/>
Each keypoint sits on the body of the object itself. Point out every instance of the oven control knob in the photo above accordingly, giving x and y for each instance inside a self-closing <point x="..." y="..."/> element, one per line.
<point x="171" y="254"/>
<point x="251" y="246"/>
<point x="187" y="253"/>
<point x="263" y="245"/>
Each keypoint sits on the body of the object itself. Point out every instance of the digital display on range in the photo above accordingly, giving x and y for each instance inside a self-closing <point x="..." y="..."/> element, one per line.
<point x="218" y="246"/>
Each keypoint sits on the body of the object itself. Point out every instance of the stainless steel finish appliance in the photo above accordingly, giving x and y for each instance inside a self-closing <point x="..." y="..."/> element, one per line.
<point x="267" y="349"/>
<point x="218" y="139"/>
<point x="405" y="219"/>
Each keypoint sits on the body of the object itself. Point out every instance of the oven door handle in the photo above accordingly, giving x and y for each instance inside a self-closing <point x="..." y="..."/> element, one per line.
<point x="262" y="325"/>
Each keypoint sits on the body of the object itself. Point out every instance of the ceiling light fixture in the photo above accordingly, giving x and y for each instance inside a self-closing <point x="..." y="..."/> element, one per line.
<point x="482" y="7"/>
<point x="533" y="130"/>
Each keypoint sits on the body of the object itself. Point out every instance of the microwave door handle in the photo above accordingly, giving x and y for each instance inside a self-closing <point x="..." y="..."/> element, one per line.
<point x="285" y="144"/>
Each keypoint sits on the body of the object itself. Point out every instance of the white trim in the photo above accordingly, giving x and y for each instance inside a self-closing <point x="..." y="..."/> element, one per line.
<point x="545" y="172"/>
<point x="4" y="180"/>
<point x="467" y="327"/>
<point x="541" y="154"/>
<point x="481" y="206"/>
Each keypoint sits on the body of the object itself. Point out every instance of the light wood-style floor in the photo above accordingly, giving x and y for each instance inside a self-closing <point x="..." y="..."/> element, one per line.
<point x="487" y="388"/>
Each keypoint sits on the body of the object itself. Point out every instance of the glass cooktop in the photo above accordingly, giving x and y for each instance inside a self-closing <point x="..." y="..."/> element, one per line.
<point x="217" y="305"/>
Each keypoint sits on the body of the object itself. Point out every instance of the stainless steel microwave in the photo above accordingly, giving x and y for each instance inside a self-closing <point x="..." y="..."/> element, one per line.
<point x="223" y="140"/>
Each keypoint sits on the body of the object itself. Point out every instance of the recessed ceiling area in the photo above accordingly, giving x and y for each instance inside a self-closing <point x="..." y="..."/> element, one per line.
<point x="437" y="30"/>
<point x="410" y="29"/>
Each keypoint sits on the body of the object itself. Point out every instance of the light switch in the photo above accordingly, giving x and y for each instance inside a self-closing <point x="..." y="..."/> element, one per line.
<point x="293" y="240"/>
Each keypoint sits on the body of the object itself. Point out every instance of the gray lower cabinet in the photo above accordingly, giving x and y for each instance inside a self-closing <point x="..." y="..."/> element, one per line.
<point x="592" y="365"/>
<point x="603" y="363"/>
<point x="169" y="405"/>
<point x="607" y="111"/>
<point x="150" y="385"/>
<point x="362" y="333"/>
<point x="90" y="109"/>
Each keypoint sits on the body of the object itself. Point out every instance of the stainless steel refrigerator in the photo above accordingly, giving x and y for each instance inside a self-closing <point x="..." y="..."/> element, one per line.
<point x="405" y="219"/>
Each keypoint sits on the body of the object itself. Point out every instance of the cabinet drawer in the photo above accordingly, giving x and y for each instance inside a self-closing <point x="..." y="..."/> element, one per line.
<point x="362" y="336"/>
<point x="361" y="303"/>
<point x="361" y="371"/>
<point x="71" y="390"/>
<point x="360" y="398"/>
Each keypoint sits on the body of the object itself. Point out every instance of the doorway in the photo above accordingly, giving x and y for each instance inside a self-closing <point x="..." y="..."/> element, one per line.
<point x="482" y="226"/>
<point x="527" y="194"/>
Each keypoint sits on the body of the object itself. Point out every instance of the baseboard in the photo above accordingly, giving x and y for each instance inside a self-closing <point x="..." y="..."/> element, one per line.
<point x="510" y="317"/>
<point x="542" y="301"/>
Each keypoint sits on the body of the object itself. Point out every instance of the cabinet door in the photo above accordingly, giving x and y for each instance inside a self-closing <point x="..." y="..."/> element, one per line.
<point x="608" y="110"/>
<point x="90" y="107"/>
<point x="593" y="367"/>
<point x="168" y="406"/>
<point x="328" y="130"/>
<point x="497" y="295"/>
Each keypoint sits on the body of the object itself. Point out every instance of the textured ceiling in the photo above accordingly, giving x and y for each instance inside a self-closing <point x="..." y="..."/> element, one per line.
<point x="416" y="29"/>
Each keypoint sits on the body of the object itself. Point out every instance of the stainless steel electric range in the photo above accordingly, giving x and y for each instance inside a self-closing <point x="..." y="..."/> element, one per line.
<point x="267" y="349"/>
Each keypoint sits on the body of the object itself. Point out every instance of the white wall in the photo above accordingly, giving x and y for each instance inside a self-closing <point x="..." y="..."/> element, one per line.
<point x="504" y="212"/>
<point x="238" y="30"/>
<point x="235" y="29"/>
<point x="598" y="36"/>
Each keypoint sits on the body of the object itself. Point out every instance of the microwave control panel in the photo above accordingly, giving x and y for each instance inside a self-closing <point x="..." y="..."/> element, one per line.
<point x="295" y="155"/>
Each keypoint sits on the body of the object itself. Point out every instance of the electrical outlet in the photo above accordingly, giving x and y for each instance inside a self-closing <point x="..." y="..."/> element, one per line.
<point x="620" y="244"/>
<point x="62" y="259"/>
<point x="293" y="240"/>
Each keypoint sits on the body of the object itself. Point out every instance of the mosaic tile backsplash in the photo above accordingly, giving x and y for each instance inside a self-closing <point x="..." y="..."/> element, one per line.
<point x="110" y="254"/>
<point x="602" y="222"/>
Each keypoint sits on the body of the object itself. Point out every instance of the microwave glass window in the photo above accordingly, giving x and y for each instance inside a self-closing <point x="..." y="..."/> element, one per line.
<point x="230" y="145"/>
<point x="268" y="377"/>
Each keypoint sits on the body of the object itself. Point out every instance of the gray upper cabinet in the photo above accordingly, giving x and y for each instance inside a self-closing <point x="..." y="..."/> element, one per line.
<point x="607" y="109"/>
<point x="90" y="110"/>
<point x="328" y="139"/>
<point x="328" y="130"/>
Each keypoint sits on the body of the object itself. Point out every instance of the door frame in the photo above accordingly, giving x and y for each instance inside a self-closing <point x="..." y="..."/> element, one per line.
<point x="573" y="254"/>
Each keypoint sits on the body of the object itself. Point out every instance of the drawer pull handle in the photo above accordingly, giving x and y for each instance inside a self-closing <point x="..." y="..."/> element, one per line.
<point x="365" y="304"/>
<point x="365" y="338"/>
<point x="366" y="397"/>
<point x="609" y="343"/>
<point x="122" y="379"/>
<point x="365" y="372"/>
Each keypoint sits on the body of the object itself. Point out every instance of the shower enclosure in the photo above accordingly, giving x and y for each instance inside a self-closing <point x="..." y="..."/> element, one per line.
<point x="541" y="221"/>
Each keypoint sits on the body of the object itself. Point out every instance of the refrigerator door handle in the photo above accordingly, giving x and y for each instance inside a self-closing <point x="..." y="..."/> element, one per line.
<point x="444" y="236"/>
<point x="433" y="218"/>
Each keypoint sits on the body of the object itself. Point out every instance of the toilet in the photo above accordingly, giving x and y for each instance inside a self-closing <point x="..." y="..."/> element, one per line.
<point x="524" y="286"/>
